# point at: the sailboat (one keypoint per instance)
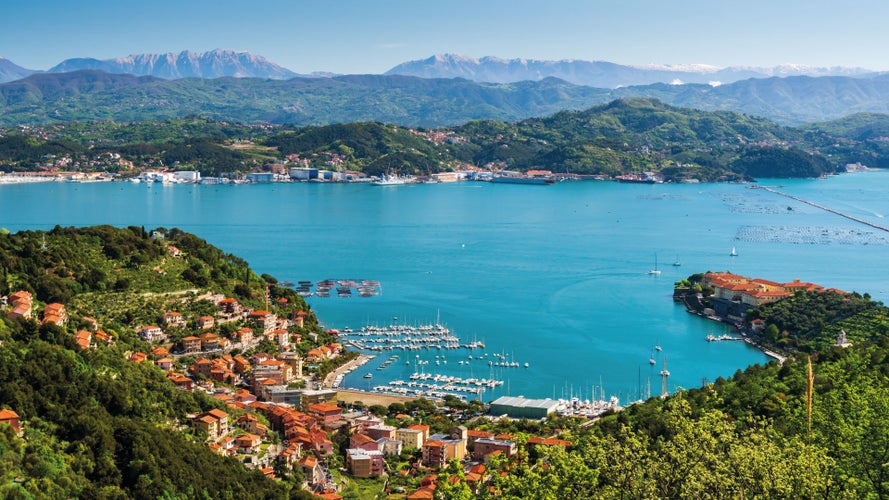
(651, 360)
(734, 252)
(655, 270)
(677, 263)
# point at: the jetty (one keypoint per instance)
(822, 207)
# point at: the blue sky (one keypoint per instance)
(354, 36)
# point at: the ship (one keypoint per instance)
(389, 179)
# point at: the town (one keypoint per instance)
(268, 371)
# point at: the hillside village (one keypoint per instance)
(273, 413)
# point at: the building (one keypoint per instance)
(191, 345)
(310, 397)
(261, 177)
(173, 319)
(187, 176)
(380, 431)
(326, 413)
(205, 322)
(389, 446)
(520, 407)
(440, 448)
(10, 418)
(484, 447)
(55, 313)
(209, 341)
(410, 438)
(364, 463)
(152, 333)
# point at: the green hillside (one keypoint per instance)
(96, 424)
(624, 136)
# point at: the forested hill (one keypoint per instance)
(96, 424)
(624, 136)
(88, 95)
(790, 430)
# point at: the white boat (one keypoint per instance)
(389, 179)
(677, 263)
(734, 252)
(655, 270)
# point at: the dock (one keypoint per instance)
(822, 207)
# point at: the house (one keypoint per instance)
(241, 364)
(364, 463)
(229, 307)
(137, 357)
(92, 324)
(165, 364)
(10, 418)
(214, 423)
(201, 366)
(315, 355)
(299, 319)
(205, 322)
(104, 337)
(264, 320)
(410, 438)
(174, 252)
(208, 425)
(363, 442)
(389, 446)
(191, 345)
(472, 435)
(151, 333)
(442, 447)
(365, 421)
(434, 453)
(314, 472)
(181, 381)
(326, 413)
(381, 431)
(250, 423)
(209, 341)
(484, 447)
(280, 337)
(423, 428)
(294, 360)
(160, 351)
(244, 336)
(173, 319)
(82, 338)
(20, 303)
(248, 443)
(55, 313)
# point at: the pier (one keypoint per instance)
(822, 207)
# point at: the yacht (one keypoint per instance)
(734, 252)
(655, 270)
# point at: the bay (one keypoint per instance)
(555, 276)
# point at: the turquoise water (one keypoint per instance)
(555, 276)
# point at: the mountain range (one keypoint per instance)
(598, 73)
(213, 64)
(221, 63)
(441, 90)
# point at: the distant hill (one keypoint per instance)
(9, 71)
(597, 73)
(95, 95)
(213, 64)
(410, 101)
